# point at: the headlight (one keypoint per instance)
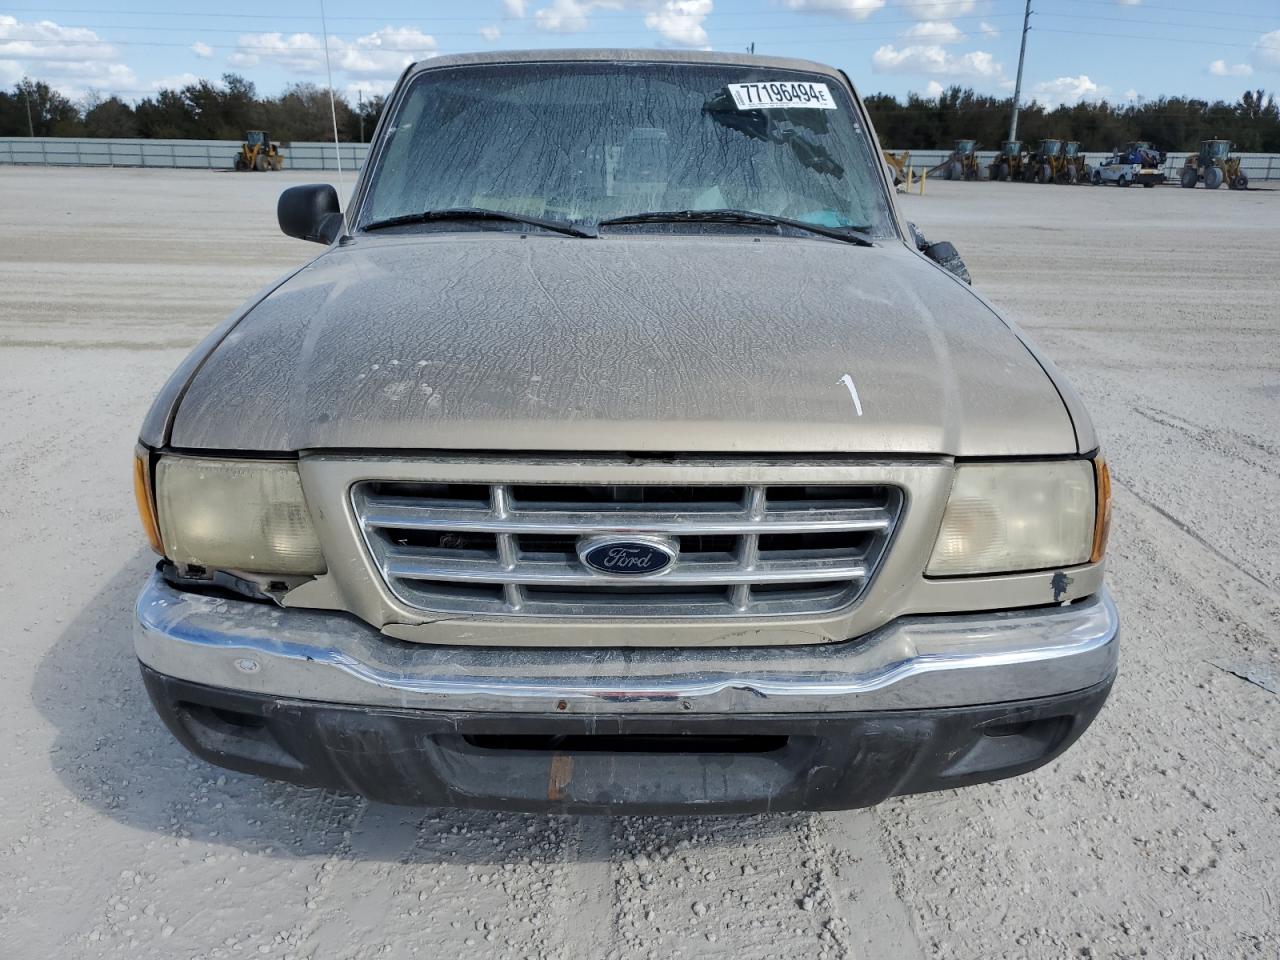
(1013, 517)
(240, 514)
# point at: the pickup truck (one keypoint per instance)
(624, 449)
(1122, 172)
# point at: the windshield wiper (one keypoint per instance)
(854, 235)
(479, 213)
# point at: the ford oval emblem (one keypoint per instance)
(627, 556)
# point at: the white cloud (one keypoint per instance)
(1067, 90)
(988, 29)
(1132, 94)
(299, 52)
(1266, 52)
(934, 60)
(935, 31)
(383, 53)
(369, 88)
(491, 33)
(570, 16)
(1220, 68)
(202, 50)
(174, 81)
(937, 9)
(680, 21)
(933, 89)
(852, 9)
(69, 59)
(387, 51)
(1128, 3)
(513, 9)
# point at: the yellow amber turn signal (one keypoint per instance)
(1102, 516)
(146, 503)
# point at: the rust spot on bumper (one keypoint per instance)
(560, 775)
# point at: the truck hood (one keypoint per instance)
(631, 343)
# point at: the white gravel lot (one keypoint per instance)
(1157, 835)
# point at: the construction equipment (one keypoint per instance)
(1009, 163)
(1214, 165)
(258, 152)
(1076, 167)
(1045, 164)
(1143, 153)
(898, 163)
(961, 164)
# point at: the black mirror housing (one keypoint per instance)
(310, 212)
(946, 256)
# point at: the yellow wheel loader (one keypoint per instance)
(1046, 164)
(962, 164)
(1215, 166)
(1076, 168)
(1009, 163)
(898, 163)
(258, 152)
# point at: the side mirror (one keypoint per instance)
(945, 255)
(310, 212)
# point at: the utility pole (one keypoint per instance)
(360, 102)
(1017, 87)
(26, 93)
(751, 48)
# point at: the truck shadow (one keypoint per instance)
(113, 754)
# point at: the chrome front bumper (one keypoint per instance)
(912, 663)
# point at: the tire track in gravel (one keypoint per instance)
(1224, 441)
(868, 918)
(592, 870)
(1191, 532)
(795, 885)
(409, 882)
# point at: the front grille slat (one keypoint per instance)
(383, 514)
(750, 550)
(411, 567)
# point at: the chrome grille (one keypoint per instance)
(511, 549)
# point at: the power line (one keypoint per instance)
(434, 33)
(817, 34)
(1158, 23)
(799, 27)
(769, 10)
(1138, 36)
(605, 15)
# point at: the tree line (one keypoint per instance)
(1169, 123)
(204, 110)
(207, 110)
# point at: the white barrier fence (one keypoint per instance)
(197, 154)
(1256, 166)
(220, 155)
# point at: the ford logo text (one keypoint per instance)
(628, 557)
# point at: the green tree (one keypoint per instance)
(35, 107)
(109, 117)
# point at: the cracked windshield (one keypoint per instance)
(578, 145)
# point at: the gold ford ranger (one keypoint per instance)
(623, 450)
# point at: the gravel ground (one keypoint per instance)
(1158, 835)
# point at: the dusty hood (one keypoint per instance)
(631, 343)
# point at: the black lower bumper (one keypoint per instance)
(620, 764)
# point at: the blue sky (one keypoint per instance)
(1077, 49)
